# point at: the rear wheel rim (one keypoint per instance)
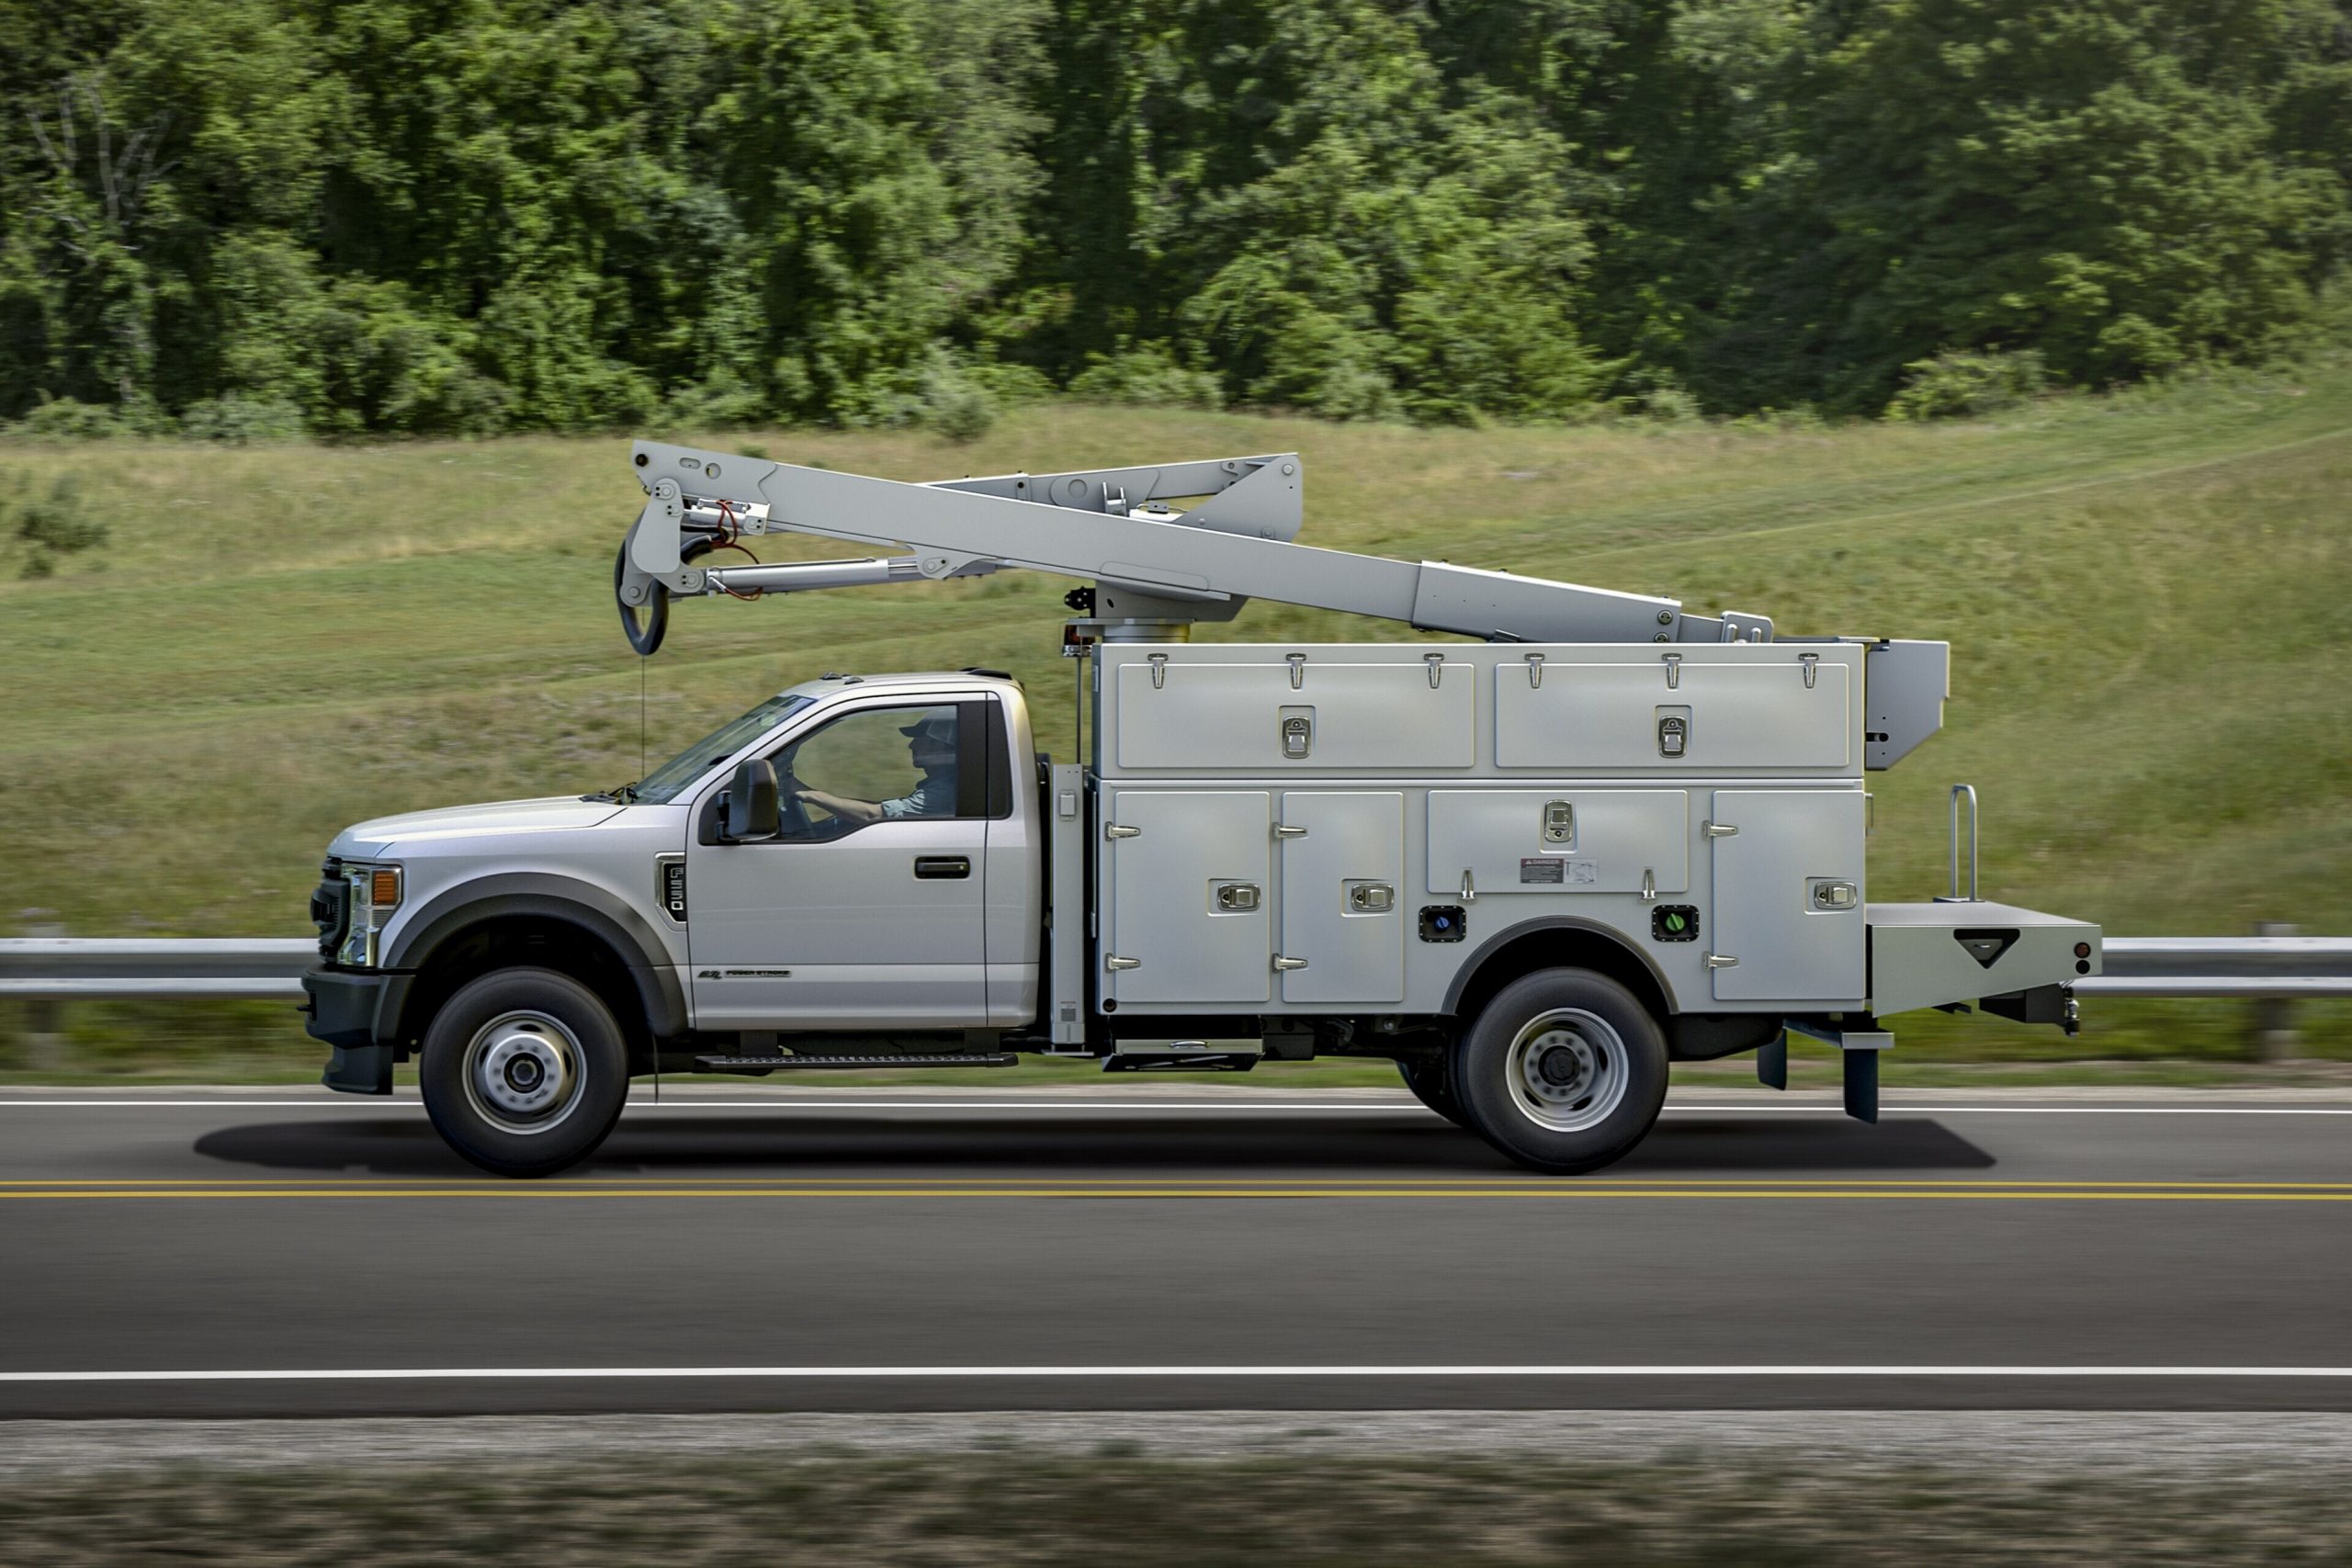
(525, 1072)
(1568, 1070)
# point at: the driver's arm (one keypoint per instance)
(860, 811)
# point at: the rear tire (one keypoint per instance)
(1429, 1079)
(524, 1072)
(1564, 1071)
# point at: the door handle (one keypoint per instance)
(942, 868)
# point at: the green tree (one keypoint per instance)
(2092, 180)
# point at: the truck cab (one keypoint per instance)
(889, 885)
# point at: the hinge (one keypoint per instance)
(1673, 671)
(1285, 830)
(1284, 966)
(1436, 661)
(1120, 830)
(1298, 669)
(1113, 962)
(1718, 830)
(1720, 961)
(1812, 663)
(1534, 672)
(1159, 672)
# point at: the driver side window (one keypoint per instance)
(876, 765)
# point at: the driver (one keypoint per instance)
(931, 742)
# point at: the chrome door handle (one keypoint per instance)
(942, 868)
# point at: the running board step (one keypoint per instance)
(944, 1059)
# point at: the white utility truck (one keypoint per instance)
(1532, 869)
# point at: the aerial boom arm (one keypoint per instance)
(1152, 564)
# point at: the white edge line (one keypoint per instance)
(1348, 1109)
(509, 1374)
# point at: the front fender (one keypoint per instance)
(597, 911)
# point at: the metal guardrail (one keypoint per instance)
(65, 969)
(92, 969)
(2287, 966)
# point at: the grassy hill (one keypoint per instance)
(2147, 598)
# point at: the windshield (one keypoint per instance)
(664, 781)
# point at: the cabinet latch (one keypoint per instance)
(1828, 893)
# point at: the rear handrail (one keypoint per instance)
(1959, 790)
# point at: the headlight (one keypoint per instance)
(374, 892)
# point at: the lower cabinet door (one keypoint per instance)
(1190, 896)
(1343, 922)
(1789, 903)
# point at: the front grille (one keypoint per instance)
(331, 910)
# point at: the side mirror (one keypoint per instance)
(753, 811)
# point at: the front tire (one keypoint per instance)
(524, 1072)
(1564, 1071)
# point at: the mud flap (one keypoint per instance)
(1773, 1062)
(1862, 1085)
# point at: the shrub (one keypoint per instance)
(63, 419)
(1955, 384)
(956, 405)
(1145, 375)
(1654, 393)
(57, 525)
(235, 421)
(1011, 385)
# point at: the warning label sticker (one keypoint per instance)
(1549, 868)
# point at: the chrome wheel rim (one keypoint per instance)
(525, 1072)
(1568, 1070)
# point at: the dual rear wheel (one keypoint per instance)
(1564, 1070)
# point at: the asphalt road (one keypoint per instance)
(786, 1247)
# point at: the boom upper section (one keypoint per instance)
(1155, 567)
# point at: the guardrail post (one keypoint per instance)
(44, 1020)
(2272, 1036)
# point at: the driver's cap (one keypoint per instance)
(939, 728)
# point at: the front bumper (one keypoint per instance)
(357, 1014)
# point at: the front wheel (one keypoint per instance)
(524, 1072)
(1564, 1071)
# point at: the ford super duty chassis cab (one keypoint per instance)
(1532, 869)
